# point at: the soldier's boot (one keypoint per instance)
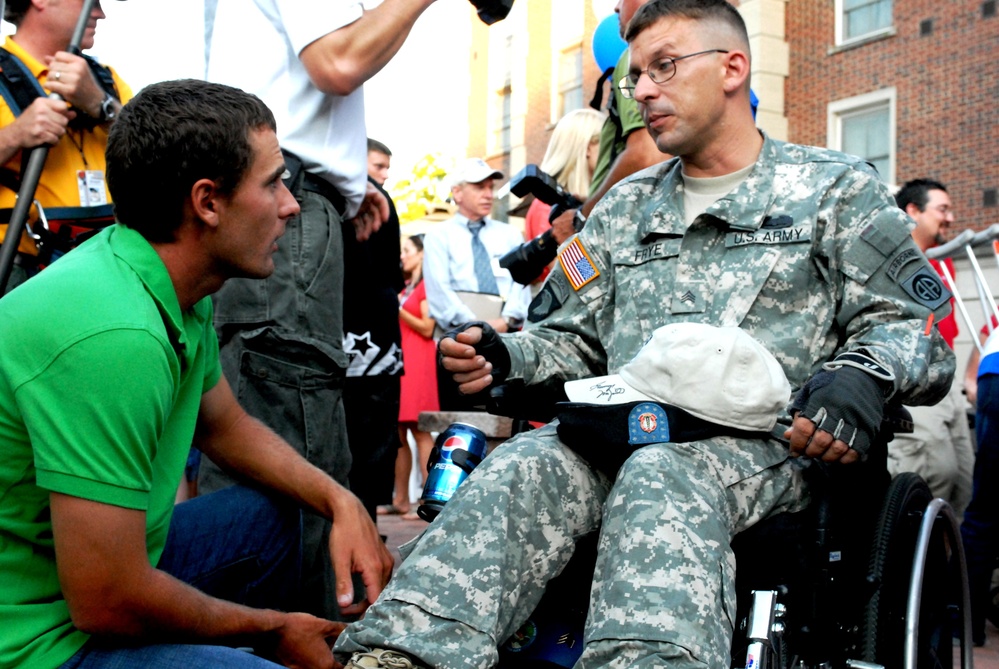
(380, 658)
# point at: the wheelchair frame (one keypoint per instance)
(878, 629)
(938, 535)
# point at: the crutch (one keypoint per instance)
(965, 243)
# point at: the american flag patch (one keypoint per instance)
(577, 265)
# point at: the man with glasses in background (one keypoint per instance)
(939, 448)
(797, 247)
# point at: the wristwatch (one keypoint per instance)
(108, 112)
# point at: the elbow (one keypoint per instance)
(103, 616)
(337, 80)
(96, 620)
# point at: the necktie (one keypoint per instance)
(483, 268)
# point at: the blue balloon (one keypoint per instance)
(607, 43)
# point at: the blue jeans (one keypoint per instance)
(980, 529)
(237, 544)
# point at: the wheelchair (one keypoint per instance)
(871, 575)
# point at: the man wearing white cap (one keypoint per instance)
(800, 249)
(462, 254)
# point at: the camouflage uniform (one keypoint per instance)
(812, 257)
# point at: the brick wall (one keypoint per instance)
(946, 86)
(536, 71)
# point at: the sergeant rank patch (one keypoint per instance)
(577, 264)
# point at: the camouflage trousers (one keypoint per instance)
(663, 592)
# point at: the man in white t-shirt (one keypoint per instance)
(282, 339)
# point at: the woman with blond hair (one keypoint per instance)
(570, 158)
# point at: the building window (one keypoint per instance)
(501, 112)
(862, 18)
(570, 81)
(504, 113)
(864, 126)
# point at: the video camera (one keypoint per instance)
(491, 11)
(527, 261)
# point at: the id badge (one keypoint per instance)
(91, 186)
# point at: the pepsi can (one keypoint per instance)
(456, 453)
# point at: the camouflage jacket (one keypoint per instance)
(809, 254)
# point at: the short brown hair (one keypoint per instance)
(695, 10)
(14, 10)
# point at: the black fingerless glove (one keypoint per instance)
(847, 399)
(490, 347)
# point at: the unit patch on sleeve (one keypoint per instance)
(579, 268)
(926, 288)
(901, 260)
(547, 300)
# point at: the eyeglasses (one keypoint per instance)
(660, 71)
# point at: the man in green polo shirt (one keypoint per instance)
(111, 371)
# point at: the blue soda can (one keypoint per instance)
(456, 453)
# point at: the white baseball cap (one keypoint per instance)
(473, 171)
(720, 374)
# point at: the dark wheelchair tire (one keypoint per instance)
(883, 629)
(992, 614)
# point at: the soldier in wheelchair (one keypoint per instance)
(800, 249)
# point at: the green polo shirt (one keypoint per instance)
(100, 382)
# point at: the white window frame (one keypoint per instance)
(566, 35)
(500, 114)
(561, 87)
(841, 109)
(841, 27)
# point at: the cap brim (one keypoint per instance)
(611, 389)
(475, 179)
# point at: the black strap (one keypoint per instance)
(316, 184)
(614, 114)
(601, 435)
(19, 87)
(99, 216)
(597, 101)
(299, 180)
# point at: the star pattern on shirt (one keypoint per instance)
(357, 344)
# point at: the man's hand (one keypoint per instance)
(564, 226)
(304, 641)
(43, 122)
(373, 212)
(356, 547)
(459, 355)
(70, 77)
(808, 440)
(838, 412)
(475, 356)
(471, 371)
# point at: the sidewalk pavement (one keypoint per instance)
(400, 531)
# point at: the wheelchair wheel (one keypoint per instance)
(992, 615)
(899, 547)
